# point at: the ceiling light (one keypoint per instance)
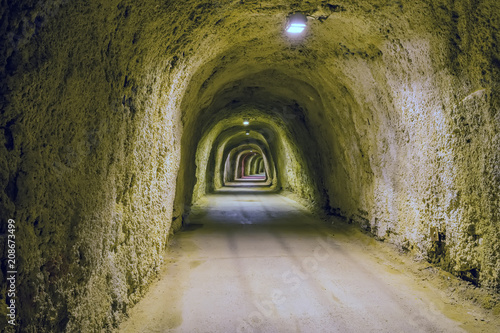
(296, 23)
(245, 122)
(247, 133)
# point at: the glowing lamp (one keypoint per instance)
(296, 23)
(245, 122)
(247, 133)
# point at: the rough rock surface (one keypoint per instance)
(390, 112)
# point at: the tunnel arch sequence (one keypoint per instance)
(230, 150)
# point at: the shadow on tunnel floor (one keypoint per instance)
(236, 190)
(223, 220)
(246, 183)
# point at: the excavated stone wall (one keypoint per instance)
(421, 155)
(390, 111)
(89, 158)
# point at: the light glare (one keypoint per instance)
(296, 28)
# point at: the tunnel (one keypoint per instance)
(133, 129)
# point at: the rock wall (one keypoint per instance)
(419, 143)
(89, 160)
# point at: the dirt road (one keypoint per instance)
(258, 262)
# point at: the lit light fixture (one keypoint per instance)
(245, 122)
(247, 133)
(296, 23)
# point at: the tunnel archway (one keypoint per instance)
(244, 163)
(234, 144)
(271, 130)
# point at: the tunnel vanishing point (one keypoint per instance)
(118, 115)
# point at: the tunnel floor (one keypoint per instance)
(255, 261)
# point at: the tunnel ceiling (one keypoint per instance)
(385, 114)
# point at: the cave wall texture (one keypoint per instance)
(386, 114)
